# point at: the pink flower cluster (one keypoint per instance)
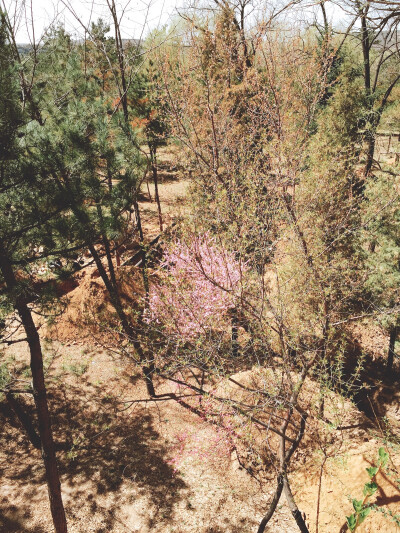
(199, 283)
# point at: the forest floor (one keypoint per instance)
(130, 465)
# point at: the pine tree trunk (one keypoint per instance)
(153, 155)
(40, 397)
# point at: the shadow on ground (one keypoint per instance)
(100, 449)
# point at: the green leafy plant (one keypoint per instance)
(362, 508)
(4, 377)
(73, 452)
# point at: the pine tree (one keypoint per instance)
(95, 166)
(24, 211)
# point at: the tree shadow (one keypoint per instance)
(9, 524)
(101, 452)
(114, 448)
(374, 390)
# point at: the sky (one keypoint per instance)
(140, 16)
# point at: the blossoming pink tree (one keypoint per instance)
(200, 285)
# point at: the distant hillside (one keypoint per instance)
(23, 48)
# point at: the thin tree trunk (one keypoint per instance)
(148, 190)
(321, 407)
(153, 155)
(300, 521)
(24, 419)
(365, 43)
(40, 397)
(370, 152)
(107, 248)
(285, 457)
(390, 358)
(143, 249)
(148, 368)
(272, 506)
(235, 332)
(366, 50)
(119, 48)
(293, 506)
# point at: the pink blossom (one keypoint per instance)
(199, 284)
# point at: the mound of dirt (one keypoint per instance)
(88, 313)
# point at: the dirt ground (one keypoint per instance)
(343, 479)
(125, 466)
(130, 465)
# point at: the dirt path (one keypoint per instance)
(173, 187)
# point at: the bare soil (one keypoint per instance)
(122, 465)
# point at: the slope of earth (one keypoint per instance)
(343, 478)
